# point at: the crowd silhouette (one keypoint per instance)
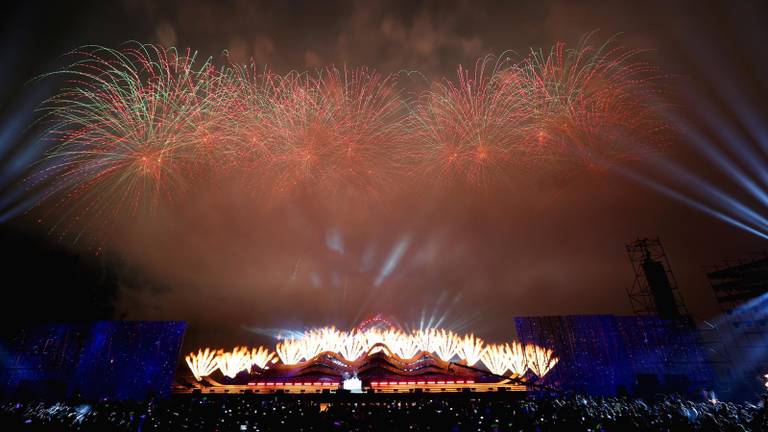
(476, 413)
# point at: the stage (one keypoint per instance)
(336, 387)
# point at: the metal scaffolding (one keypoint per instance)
(644, 254)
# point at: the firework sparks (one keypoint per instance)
(406, 345)
(290, 351)
(202, 364)
(231, 363)
(471, 349)
(495, 359)
(260, 357)
(352, 346)
(338, 131)
(445, 344)
(516, 358)
(540, 360)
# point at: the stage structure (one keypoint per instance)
(655, 294)
(655, 288)
(374, 359)
(738, 338)
(737, 282)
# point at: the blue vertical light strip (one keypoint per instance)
(89, 358)
(116, 360)
(592, 357)
(600, 353)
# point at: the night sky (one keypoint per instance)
(551, 245)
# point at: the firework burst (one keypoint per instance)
(336, 132)
(133, 127)
(591, 104)
(127, 126)
(233, 362)
(471, 130)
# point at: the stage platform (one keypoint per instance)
(318, 387)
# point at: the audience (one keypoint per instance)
(476, 413)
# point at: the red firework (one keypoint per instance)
(135, 125)
(593, 104)
(473, 130)
(337, 132)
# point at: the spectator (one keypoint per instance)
(236, 413)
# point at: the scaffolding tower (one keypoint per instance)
(654, 290)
